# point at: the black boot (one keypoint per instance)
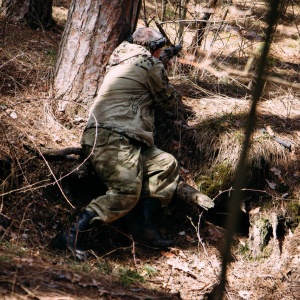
(68, 239)
(148, 226)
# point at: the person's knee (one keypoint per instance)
(171, 163)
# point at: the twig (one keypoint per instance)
(230, 71)
(55, 179)
(129, 236)
(6, 231)
(170, 276)
(24, 214)
(244, 189)
(197, 228)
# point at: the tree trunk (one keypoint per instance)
(15, 10)
(40, 14)
(182, 15)
(93, 30)
(36, 13)
(197, 39)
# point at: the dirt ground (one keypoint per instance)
(32, 209)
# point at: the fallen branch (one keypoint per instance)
(55, 154)
(190, 195)
(184, 192)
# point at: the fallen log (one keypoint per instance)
(190, 195)
(55, 154)
(184, 191)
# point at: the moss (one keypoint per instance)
(263, 225)
(219, 176)
(128, 277)
(79, 266)
(293, 213)
(51, 55)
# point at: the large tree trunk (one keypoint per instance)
(93, 30)
(36, 13)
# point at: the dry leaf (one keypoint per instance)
(174, 250)
(276, 171)
(272, 185)
(254, 211)
(189, 239)
(13, 115)
(179, 265)
(245, 294)
(167, 254)
(184, 170)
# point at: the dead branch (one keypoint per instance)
(55, 154)
(190, 195)
(226, 71)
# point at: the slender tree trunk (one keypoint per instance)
(36, 13)
(198, 38)
(182, 15)
(93, 30)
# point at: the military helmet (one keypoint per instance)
(149, 38)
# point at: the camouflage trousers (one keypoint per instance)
(128, 171)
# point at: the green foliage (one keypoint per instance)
(17, 249)
(149, 270)
(244, 250)
(51, 54)
(293, 213)
(78, 266)
(5, 259)
(128, 277)
(104, 267)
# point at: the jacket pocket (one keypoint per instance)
(93, 137)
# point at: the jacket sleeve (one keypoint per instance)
(162, 92)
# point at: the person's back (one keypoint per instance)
(128, 94)
(124, 102)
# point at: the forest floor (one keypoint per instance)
(32, 209)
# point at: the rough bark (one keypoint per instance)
(36, 13)
(93, 30)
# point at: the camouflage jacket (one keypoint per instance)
(135, 84)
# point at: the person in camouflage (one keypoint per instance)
(118, 141)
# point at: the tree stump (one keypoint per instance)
(263, 225)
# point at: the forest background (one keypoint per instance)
(216, 74)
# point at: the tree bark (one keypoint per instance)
(93, 30)
(36, 13)
(14, 10)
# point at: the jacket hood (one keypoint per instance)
(125, 51)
